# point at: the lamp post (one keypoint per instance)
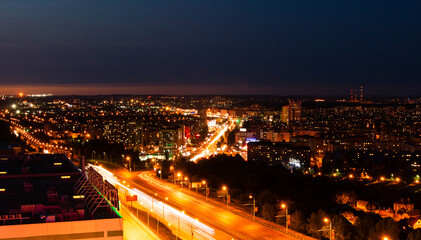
(225, 188)
(163, 210)
(192, 230)
(178, 175)
(156, 215)
(182, 183)
(160, 170)
(178, 228)
(157, 223)
(148, 216)
(128, 159)
(284, 206)
(254, 206)
(326, 220)
(206, 189)
(141, 207)
(173, 172)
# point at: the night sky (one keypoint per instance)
(210, 47)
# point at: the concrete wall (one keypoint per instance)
(111, 229)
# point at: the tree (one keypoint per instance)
(266, 196)
(298, 221)
(203, 131)
(363, 226)
(268, 212)
(5, 133)
(231, 137)
(385, 227)
(414, 235)
(343, 228)
(315, 224)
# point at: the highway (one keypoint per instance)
(133, 228)
(200, 219)
(226, 224)
(35, 143)
(174, 217)
(209, 146)
(187, 215)
(239, 226)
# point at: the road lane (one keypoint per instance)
(220, 218)
(133, 229)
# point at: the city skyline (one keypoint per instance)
(212, 167)
(210, 120)
(244, 90)
(247, 47)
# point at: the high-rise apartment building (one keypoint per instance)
(128, 133)
(170, 140)
(285, 114)
(294, 111)
(291, 112)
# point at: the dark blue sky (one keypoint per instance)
(168, 46)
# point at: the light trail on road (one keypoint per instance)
(19, 131)
(217, 215)
(183, 224)
(216, 137)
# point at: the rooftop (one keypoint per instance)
(41, 188)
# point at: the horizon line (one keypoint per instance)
(90, 89)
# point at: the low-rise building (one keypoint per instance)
(276, 153)
(40, 199)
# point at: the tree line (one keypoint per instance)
(309, 198)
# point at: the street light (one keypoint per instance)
(206, 188)
(192, 230)
(157, 223)
(386, 238)
(178, 228)
(182, 183)
(178, 175)
(326, 220)
(148, 216)
(226, 189)
(156, 215)
(163, 210)
(254, 206)
(141, 206)
(284, 206)
(128, 159)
